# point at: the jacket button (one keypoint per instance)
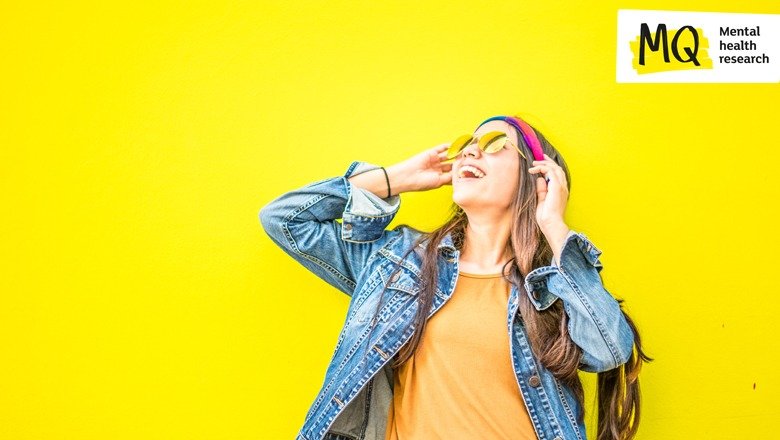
(348, 226)
(557, 438)
(534, 381)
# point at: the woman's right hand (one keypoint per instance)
(427, 170)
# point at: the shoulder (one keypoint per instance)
(404, 234)
(397, 242)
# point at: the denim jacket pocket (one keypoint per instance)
(401, 286)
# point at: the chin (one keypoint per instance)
(464, 199)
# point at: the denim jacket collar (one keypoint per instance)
(447, 243)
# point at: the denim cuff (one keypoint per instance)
(578, 251)
(366, 215)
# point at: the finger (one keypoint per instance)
(547, 171)
(443, 154)
(559, 173)
(554, 168)
(446, 178)
(543, 168)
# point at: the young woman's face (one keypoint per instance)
(499, 185)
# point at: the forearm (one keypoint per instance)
(375, 181)
(556, 236)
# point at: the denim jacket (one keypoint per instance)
(357, 256)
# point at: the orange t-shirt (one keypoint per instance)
(460, 384)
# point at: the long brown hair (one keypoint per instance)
(618, 389)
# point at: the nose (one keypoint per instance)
(471, 149)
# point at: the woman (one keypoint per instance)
(505, 333)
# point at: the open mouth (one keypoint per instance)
(467, 172)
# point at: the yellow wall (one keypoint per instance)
(140, 298)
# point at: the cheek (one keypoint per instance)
(509, 173)
(506, 183)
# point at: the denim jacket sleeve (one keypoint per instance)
(303, 223)
(596, 322)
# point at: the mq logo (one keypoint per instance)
(651, 50)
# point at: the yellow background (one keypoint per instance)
(140, 298)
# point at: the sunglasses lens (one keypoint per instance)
(459, 144)
(492, 142)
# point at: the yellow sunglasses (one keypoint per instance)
(490, 142)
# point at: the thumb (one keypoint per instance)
(541, 190)
(446, 178)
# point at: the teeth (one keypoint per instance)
(474, 170)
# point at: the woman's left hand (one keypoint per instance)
(552, 196)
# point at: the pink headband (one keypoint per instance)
(528, 133)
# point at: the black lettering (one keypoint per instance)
(746, 32)
(691, 53)
(741, 45)
(653, 43)
(732, 59)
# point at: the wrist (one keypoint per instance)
(555, 227)
(556, 233)
(399, 179)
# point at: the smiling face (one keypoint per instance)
(499, 185)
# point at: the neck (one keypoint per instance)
(485, 244)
